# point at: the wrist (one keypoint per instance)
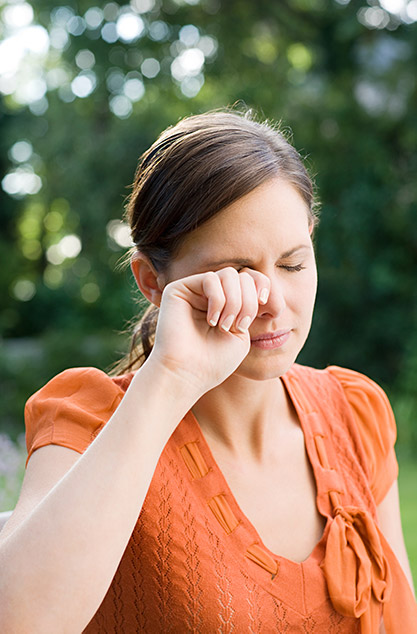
(176, 389)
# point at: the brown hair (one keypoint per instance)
(193, 171)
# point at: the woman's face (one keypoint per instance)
(268, 229)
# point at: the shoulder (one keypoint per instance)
(80, 387)
(72, 408)
(369, 412)
(363, 394)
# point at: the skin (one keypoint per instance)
(61, 547)
(260, 227)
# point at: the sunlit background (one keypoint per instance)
(85, 89)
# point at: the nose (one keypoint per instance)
(276, 303)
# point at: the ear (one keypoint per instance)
(147, 278)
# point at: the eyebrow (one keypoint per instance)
(246, 262)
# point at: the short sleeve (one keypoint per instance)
(71, 409)
(376, 425)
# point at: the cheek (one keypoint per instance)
(303, 294)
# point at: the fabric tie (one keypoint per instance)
(357, 573)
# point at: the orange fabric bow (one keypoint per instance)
(363, 575)
(357, 573)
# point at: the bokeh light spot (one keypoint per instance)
(84, 84)
(134, 89)
(93, 17)
(24, 290)
(187, 64)
(31, 249)
(111, 11)
(129, 27)
(56, 77)
(76, 25)
(68, 247)
(121, 106)
(85, 59)
(150, 67)
(30, 91)
(21, 181)
(119, 232)
(142, 6)
(90, 292)
(53, 277)
(191, 86)
(412, 10)
(53, 221)
(299, 56)
(393, 6)
(39, 107)
(21, 151)
(158, 31)
(115, 80)
(58, 37)
(17, 16)
(373, 17)
(109, 33)
(62, 15)
(189, 35)
(208, 45)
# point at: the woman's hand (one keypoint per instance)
(202, 331)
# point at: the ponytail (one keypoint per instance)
(141, 343)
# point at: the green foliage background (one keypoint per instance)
(340, 75)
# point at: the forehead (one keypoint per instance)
(273, 214)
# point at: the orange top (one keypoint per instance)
(195, 563)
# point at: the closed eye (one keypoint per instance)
(295, 267)
(287, 267)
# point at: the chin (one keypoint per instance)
(264, 370)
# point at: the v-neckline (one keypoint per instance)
(244, 522)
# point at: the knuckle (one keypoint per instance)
(247, 278)
(229, 270)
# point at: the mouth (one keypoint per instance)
(271, 335)
(271, 340)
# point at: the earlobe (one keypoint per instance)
(146, 277)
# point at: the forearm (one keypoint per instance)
(57, 565)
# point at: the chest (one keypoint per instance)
(280, 500)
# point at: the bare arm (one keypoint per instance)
(389, 517)
(390, 523)
(62, 545)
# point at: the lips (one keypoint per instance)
(271, 335)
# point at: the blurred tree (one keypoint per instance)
(86, 88)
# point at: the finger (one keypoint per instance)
(202, 291)
(262, 284)
(250, 303)
(229, 278)
(213, 290)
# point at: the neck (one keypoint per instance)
(243, 418)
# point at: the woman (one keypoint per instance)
(221, 486)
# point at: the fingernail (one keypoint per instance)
(244, 324)
(226, 325)
(214, 319)
(263, 297)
